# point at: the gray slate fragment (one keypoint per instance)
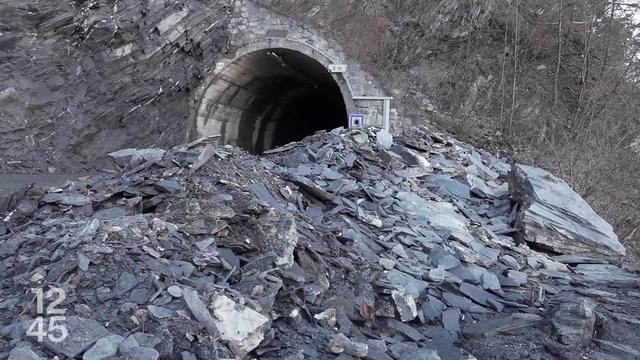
(203, 244)
(145, 353)
(488, 256)
(146, 339)
(265, 195)
(432, 309)
(408, 283)
(160, 312)
(199, 310)
(83, 262)
(384, 139)
(412, 351)
(451, 320)
(110, 213)
(170, 186)
(481, 296)
(310, 187)
(518, 277)
(405, 304)
(490, 281)
(407, 330)
(72, 199)
(175, 291)
(553, 215)
(377, 350)
(501, 325)
(130, 344)
(82, 334)
(624, 351)
(24, 353)
(607, 274)
(105, 348)
(441, 215)
(188, 356)
(463, 303)
(340, 343)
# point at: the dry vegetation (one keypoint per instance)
(549, 82)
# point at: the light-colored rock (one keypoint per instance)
(287, 242)
(388, 264)
(607, 274)
(242, 327)
(327, 318)
(405, 304)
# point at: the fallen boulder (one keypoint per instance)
(554, 216)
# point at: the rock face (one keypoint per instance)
(103, 75)
(554, 216)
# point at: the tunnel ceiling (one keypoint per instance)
(271, 97)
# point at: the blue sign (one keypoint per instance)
(357, 120)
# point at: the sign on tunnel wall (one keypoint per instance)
(357, 120)
(337, 68)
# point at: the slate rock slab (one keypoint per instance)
(72, 199)
(607, 274)
(82, 334)
(554, 216)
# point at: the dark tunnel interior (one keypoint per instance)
(269, 98)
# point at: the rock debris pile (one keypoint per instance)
(348, 244)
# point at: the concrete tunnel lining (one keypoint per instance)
(269, 97)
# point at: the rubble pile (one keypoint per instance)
(348, 244)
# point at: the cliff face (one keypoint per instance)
(79, 79)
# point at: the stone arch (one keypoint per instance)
(255, 100)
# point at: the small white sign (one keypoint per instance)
(357, 120)
(337, 68)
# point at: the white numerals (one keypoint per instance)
(54, 328)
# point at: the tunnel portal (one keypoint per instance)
(270, 97)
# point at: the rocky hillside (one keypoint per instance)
(70, 92)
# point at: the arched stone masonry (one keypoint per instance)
(226, 96)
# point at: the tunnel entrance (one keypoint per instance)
(270, 97)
